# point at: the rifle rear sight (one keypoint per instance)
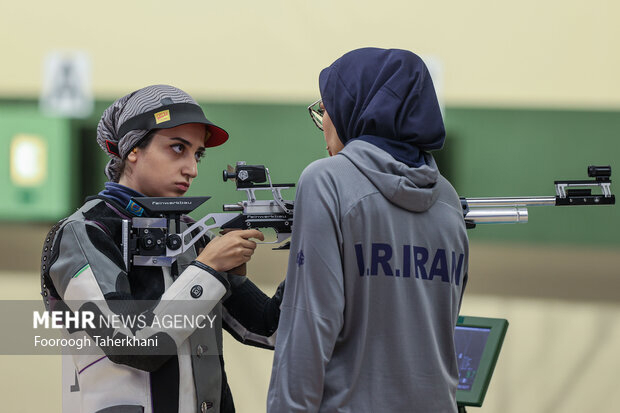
(246, 176)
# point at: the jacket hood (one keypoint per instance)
(385, 97)
(410, 188)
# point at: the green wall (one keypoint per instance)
(488, 152)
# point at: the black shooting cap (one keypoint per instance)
(171, 115)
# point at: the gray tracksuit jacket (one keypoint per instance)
(378, 265)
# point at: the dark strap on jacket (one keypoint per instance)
(48, 291)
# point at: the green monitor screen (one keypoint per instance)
(478, 341)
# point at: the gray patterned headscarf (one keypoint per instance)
(136, 103)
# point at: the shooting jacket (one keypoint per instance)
(83, 269)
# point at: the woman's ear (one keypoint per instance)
(133, 155)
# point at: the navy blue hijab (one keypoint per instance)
(385, 97)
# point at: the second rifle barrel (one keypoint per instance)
(497, 215)
(511, 201)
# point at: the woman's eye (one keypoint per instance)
(177, 147)
(199, 156)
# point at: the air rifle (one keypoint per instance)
(158, 239)
(514, 209)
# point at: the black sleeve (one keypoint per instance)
(250, 315)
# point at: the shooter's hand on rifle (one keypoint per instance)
(230, 250)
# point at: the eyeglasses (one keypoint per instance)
(316, 113)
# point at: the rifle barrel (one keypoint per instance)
(511, 201)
